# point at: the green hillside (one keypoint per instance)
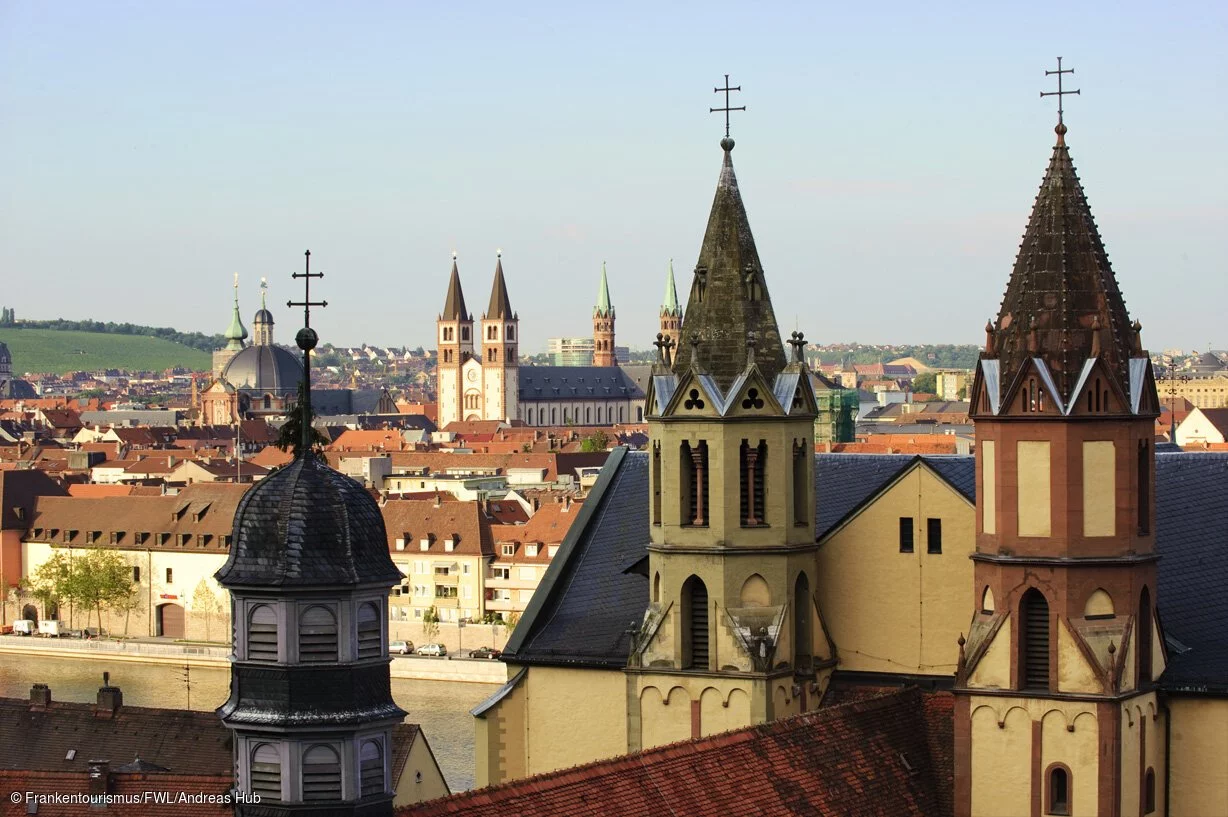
(55, 351)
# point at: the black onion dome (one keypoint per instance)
(263, 316)
(308, 525)
(264, 368)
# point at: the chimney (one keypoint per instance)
(110, 698)
(99, 776)
(40, 697)
(566, 503)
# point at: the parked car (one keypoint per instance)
(401, 647)
(432, 649)
(485, 652)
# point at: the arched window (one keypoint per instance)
(755, 592)
(317, 635)
(656, 588)
(262, 634)
(656, 482)
(370, 640)
(321, 774)
(1058, 790)
(802, 500)
(1099, 605)
(1034, 641)
(268, 401)
(1144, 638)
(371, 769)
(801, 621)
(753, 462)
(694, 624)
(266, 772)
(694, 470)
(1149, 791)
(987, 600)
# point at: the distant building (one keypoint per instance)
(570, 351)
(10, 387)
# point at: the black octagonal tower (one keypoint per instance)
(310, 701)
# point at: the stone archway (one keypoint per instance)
(29, 612)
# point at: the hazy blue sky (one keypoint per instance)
(888, 161)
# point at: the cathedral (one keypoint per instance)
(753, 593)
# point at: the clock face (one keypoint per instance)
(473, 375)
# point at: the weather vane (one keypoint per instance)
(1059, 93)
(306, 340)
(726, 110)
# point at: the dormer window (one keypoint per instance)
(530, 550)
(509, 549)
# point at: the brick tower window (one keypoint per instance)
(694, 469)
(1058, 786)
(1034, 641)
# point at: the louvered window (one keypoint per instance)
(266, 772)
(694, 467)
(371, 769)
(321, 774)
(695, 608)
(1034, 640)
(262, 634)
(801, 501)
(753, 463)
(369, 633)
(317, 636)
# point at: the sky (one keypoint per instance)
(888, 159)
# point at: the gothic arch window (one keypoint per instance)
(752, 464)
(371, 769)
(370, 635)
(656, 483)
(511, 332)
(1149, 791)
(262, 634)
(694, 471)
(317, 635)
(1099, 605)
(1097, 394)
(266, 771)
(987, 602)
(694, 624)
(801, 499)
(1034, 641)
(1057, 789)
(1144, 638)
(656, 588)
(464, 333)
(321, 774)
(801, 621)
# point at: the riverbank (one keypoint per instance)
(150, 651)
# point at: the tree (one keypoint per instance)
(513, 618)
(206, 604)
(51, 583)
(597, 441)
(430, 623)
(290, 435)
(100, 578)
(925, 383)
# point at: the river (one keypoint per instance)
(441, 708)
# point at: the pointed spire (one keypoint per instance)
(603, 308)
(500, 305)
(1062, 292)
(669, 306)
(236, 333)
(729, 297)
(454, 304)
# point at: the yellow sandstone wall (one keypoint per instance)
(1034, 484)
(1099, 488)
(574, 716)
(1199, 756)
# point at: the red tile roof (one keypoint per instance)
(868, 757)
(124, 787)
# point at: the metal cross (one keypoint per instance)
(726, 109)
(1059, 93)
(306, 303)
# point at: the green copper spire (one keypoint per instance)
(670, 305)
(603, 308)
(237, 332)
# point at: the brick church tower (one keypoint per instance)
(671, 312)
(500, 360)
(1056, 709)
(603, 325)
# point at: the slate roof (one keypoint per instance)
(577, 383)
(264, 368)
(845, 481)
(454, 305)
(1192, 540)
(500, 307)
(868, 757)
(1062, 283)
(718, 310)
(589, 598)
(308, 525)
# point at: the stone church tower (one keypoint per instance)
(732, 625)
(454, 334)
(671, 312)
(603, 325)
(500, 362)
(1056, 709)
(236, 333)
(310, 704)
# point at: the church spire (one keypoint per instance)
(729, 298)
(603, 308)
(669, 306)
(237, 332)
(1062, 303)
(500, 305)
(454, 304)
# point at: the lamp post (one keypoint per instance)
(1173, 391)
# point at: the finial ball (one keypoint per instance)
(306, 339)
(726, 144)
(1060, 130)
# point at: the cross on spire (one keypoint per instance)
(1059, 93)
(306, 340)
(726, 110)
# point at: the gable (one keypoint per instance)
(693, 397)
(752, 397)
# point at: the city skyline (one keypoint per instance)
(158, 151)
